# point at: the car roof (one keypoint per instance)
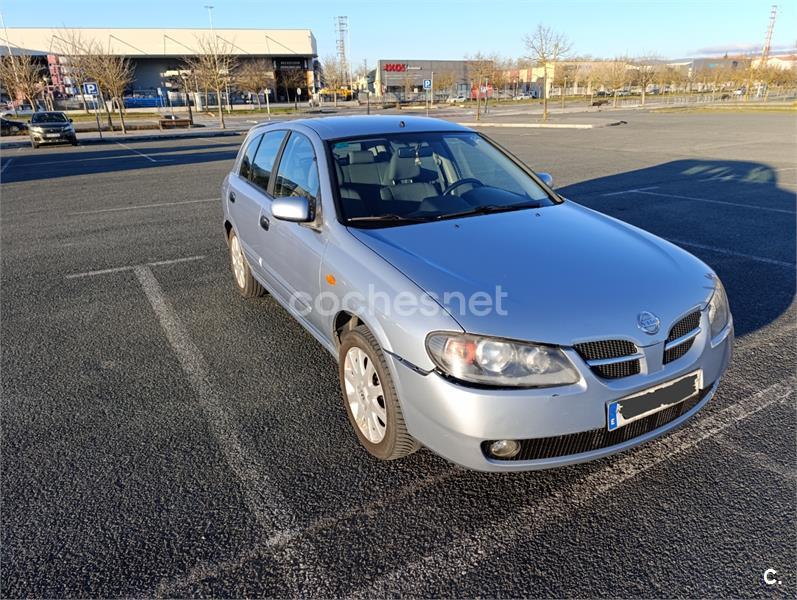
(330, 128)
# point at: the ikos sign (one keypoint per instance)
(399, 68)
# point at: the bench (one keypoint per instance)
(173, 123)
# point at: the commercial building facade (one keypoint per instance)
(155, 51)
(404, 78)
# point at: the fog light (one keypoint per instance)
(504, 448)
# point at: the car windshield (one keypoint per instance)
(405, 178)
(46, 117)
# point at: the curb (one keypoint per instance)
(135, 138)
(544, 125)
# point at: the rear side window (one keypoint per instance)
(249, 156)
(266, 154)
(298, 172)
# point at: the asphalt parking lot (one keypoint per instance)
(163, 436)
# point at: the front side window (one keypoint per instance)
(266, 154)
(298, 172)
(413, 177)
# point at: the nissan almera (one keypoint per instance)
(471, 309)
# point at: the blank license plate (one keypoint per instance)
(53, 135)
(638, 406)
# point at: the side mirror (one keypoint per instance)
(546, 179)
(296, 209)
(70, 120)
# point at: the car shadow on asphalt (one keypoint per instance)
(68, 162)
(733, 215)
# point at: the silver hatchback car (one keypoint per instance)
(471, 309)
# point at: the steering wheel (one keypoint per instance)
(460, 182)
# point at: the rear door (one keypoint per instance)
(249, 193)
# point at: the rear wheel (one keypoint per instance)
(247, 285)
(370, 397)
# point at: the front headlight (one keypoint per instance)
(498, 362)
(37, 129)
(718, 311)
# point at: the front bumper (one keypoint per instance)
(60, 137)
(453, 420)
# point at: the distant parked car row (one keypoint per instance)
(44, 127)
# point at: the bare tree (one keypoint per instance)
(113, 73)
(645, 67)
(213, 66)
(333, 75)
(291, 80)
(22, 77)
(546, 46)
(615, 76)
(254, 76)
(72, 51)
(444, 81)
(480, 68)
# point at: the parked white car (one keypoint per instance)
(457, 99)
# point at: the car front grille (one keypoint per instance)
(605, 349)
(689, 324)
(610, 350)
(596, 439)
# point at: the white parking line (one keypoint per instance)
(480, 544)
(708, 201)
(149, 158)
(652, 187)
(763, 259)
(133, 267)
(226, 143)
(5, 166)
(262, 498)
(141, 206)
(647, 192)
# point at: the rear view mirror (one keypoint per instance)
(546, 179)
(296, 209)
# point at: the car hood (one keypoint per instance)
(568, 273)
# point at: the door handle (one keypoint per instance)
(264, 222)
(232, 196)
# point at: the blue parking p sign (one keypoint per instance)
(427, 84)
(90, 89)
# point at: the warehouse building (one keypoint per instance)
(402, 78)
(155, 51)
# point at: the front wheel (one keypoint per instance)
(247, 285)
(370, 397)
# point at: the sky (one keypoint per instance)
(450, 29)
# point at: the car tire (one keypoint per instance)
(362, 367)
(247, 285)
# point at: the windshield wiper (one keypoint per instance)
(390, 217)
(488, 209)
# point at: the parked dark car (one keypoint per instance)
(51, 128)
(8, 127)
